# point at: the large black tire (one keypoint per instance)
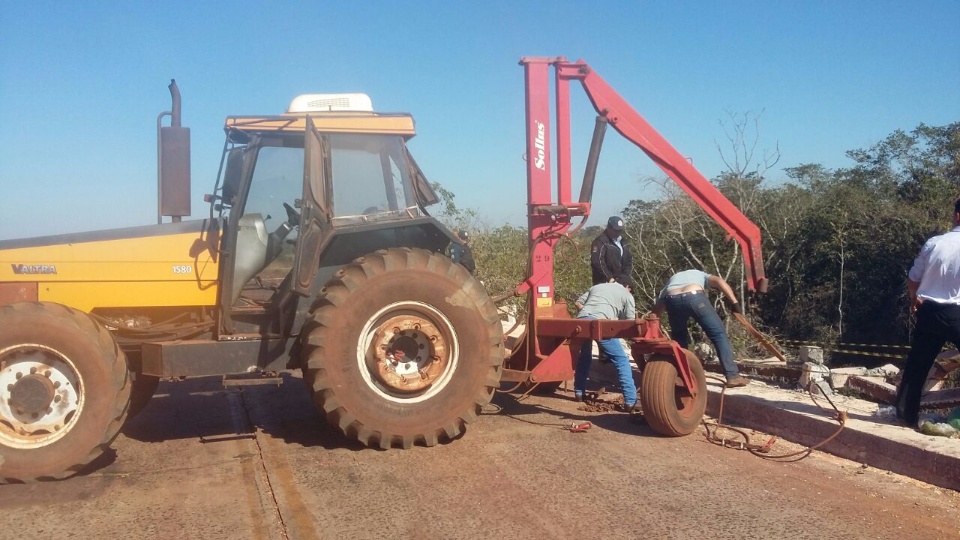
(419, 302)
(64, 391)
(668, 406)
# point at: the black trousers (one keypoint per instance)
(936, 325)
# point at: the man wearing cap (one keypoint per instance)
(461, 252)
(685, 296)
(610, 257)
(607, 301)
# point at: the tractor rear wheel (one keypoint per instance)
(403, 347)
(667, 404)
(64, 391)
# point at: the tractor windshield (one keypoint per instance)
(371, 176)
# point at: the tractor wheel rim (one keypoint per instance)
(407, 352)
(41, 396)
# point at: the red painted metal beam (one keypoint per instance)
(637, 130)
(553, 339)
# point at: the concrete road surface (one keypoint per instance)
(201, 462)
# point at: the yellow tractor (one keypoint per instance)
(318, 254)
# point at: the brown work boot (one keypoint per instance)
(632, 409)
(737, 382)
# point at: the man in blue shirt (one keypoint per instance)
(607, 301)
(684, 296)
(933, 285)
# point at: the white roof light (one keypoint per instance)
(314, 103)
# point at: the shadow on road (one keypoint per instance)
(202, 408)
(524, 408)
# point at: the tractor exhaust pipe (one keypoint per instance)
(175, 109)
(173, 163)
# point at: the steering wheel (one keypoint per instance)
(293, 217)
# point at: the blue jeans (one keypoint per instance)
(696, 304)
(614, 350)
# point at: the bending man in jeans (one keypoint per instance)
(607, 301)
(684, 296)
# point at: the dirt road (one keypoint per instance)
(189, 467)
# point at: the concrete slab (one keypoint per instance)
(792, 415)
(866, 437)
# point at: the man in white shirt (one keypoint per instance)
(934, 288)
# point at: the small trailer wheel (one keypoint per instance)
(667, 404)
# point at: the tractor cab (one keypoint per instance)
(305, 192)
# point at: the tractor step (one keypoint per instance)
(252, 379)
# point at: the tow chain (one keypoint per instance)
(763, 450)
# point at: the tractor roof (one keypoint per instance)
(338, 122)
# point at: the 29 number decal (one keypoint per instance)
(182, 269)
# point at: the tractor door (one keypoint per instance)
(314, 212)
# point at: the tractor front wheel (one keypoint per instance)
(64, 391)
(403, 347)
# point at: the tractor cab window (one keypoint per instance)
(277, 179)
(265, 234)
(371, 178)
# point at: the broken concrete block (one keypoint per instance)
(839, 376)
(809, 353)
(951, 356)
(821, 387)
(941, 399)
(933, 383)
(875, 387)
(812, 373)
(886, 370)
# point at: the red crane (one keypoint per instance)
(673, 389)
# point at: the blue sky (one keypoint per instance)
(82, 85)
